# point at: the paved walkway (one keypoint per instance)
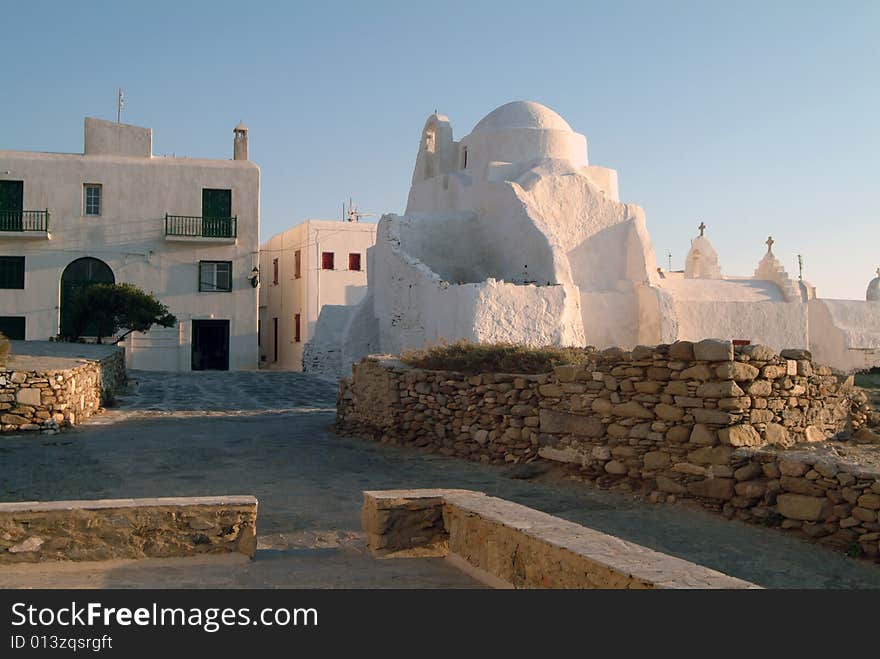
(309, 484)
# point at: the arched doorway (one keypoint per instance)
(78, 275)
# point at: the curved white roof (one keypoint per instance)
(873, 292)
(522, 114)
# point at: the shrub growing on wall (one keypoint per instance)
(467, 357)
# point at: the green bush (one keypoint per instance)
(109, 308)
(467, 357)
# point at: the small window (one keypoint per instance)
(92, 199)
(11, 272)
(296, 334)
(12, 327)
(297, 264)
(327, 261)
(275, 271)
(215, 276)
(464, 158)
(354, 261)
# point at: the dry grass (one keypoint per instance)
(466, 357)
(5, 349)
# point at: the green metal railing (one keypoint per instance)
(201, 227)
(24, 221)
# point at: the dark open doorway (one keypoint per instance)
(76, 278)
(210, 345)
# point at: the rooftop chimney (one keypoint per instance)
(240, 142)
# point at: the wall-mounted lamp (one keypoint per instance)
(255, 277)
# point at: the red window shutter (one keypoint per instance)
(296, 335)
(327, 261)
(354, 261)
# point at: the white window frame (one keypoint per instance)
(209, 276)
(100, 189)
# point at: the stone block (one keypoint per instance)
(738, 371)
(666, 484)
(703, 435)
(28, 396)
(716, 417)
(678, 434)
(632, 409)
(740, 435)
(713, 350)
(668, 412)
(564, 423)
(759, 353)
(718, 455)
(776, 434)
(804, 508)
(654, 460)
(712, 488)
(682, 351)
(698, 372)
(724, 389)
(569, 372)
(550, 390)
(751, 489)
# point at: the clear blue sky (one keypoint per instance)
(756, 117)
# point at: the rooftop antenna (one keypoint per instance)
(120, 103)
(354, 214)
(800, 267)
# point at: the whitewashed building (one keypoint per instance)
(184, 229)
(311, 275)
(511, 234)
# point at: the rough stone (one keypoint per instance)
(740, 435)
(712, 488)
(738, 371)
(712, 350)
(804, 508)
(776, 434)
(703, 435)
(553, 421)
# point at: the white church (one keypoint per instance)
(511, 235)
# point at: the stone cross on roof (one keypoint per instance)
(702, 228)
(770, 242)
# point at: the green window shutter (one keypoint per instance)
(11, 272)
(12, 327)
(11, 205)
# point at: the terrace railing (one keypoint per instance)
(37, 221)
(191, 226)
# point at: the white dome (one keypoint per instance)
(873, 292)
(522, 114)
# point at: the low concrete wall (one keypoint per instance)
(46, 392)
(31, 532)
(522, 547)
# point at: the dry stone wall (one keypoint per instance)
(34, 398)
(746, 432)
(33, 532)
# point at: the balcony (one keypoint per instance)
(190, 228)
(25, 224)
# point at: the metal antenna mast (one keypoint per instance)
(120, 103)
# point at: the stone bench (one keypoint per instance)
(32, 532)
(507, 544)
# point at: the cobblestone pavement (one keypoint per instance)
(309, 483)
